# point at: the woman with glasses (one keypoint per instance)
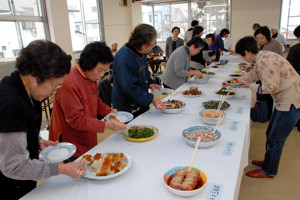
(77, 103)
(41, 68)
(131, 75)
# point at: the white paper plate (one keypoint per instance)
(58, 153)
(162, 90)
(92, 175)
(122, 116)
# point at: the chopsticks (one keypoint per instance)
(223, 98)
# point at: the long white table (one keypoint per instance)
(222, 163)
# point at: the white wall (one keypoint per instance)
(245, 13)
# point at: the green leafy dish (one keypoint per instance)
(213, 104)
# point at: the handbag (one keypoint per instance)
(259, 113)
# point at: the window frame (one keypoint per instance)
(288, 20)
(169, 3)
(83, 23)
(19, 20)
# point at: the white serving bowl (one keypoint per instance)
(174, 110)
(193, 142)
(210, 121)
(202, 80)
(182, 193)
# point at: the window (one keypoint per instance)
(290, 17)
(212, 15)
(21, 21)
(85, 23)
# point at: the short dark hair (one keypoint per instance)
(247, 43)
(264, 30)
(44, 60)
(297, 31)
(197, 41)
(142, 34)
(224, 31)
(255, 25)
(212, 36)
(174, 28)
(94, 53)
(194, 23)
(197, 30)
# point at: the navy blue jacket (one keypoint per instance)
(131, 81)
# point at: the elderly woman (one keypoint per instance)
(77, 103)
(41, 69)
(173, 42)
(131, 76)
(218, 46)
(177, 70)
(279, 79)
(266, 42)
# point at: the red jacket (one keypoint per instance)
(74, 115)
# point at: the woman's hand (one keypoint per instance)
(158, 104)
(46, 143)
(115, 125)
(73, 169)
(114, 110)
(153, 86)
(244, 84)
(195, 73)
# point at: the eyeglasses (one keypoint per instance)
(54, 87)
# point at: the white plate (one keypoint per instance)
(92, 175)
(168, 90)
(122, 116)
(191, 96)
(58, 153)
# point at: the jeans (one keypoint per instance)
(279, 128)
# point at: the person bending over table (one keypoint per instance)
(77, 103)
(41, 68)
(177, 70)
(131, 75)
(278, 78)
(218, 46)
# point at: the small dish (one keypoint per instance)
(58, 153)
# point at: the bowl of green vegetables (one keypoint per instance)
(140, 133)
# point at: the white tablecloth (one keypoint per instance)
(222, 163)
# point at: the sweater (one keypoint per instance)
(178, 64)
(273, 46)
(169, 44)
(278, 78)
(75, 108)
(19, 113)
(131, 81)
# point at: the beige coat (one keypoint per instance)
(278, 78)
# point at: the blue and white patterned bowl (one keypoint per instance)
(224, 62)
(193, 142)
(210, 121)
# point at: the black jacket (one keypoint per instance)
(19, 113)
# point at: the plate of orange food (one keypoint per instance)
(103, 166)
(120, 116)
(192, 92)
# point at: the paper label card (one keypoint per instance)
(229, 148)
(215, 191)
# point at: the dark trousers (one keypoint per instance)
(279, 128)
